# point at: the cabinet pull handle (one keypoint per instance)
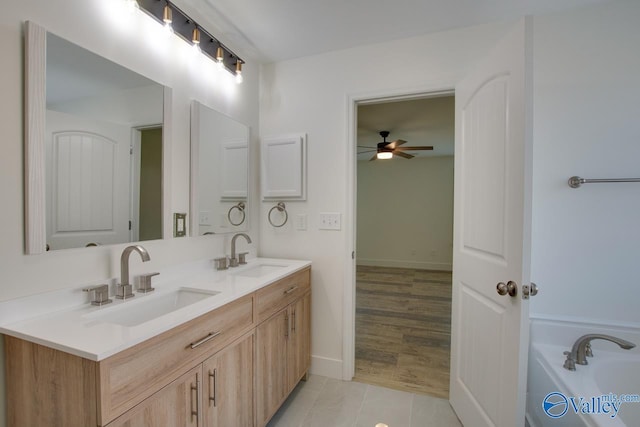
(213, 386)
(201, 341)
(293, 321)
(286, 325)
(291, 289)
(197, 390)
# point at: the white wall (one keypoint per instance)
(586, 256)
(311, 95)
(99, 26)
(405, 213)
(586, 122)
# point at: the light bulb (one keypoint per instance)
(384, 155)
(238, 72)
(131, 5)
(220, 58)
(167, 18)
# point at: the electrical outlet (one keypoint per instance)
(205, 218)
(330, 221)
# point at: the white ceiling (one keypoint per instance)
(427, 121)
(275, 30)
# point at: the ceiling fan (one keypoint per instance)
(386, 150)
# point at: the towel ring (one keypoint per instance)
(281, 208)
(240, 206)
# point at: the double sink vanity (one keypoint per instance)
(205, 348)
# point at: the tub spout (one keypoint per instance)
(582, 348)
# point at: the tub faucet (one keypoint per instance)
(123, 290)
(582, 348)
(233, 261)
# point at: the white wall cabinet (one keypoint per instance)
(283, 167)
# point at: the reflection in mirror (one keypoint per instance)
(219, 172)
(103, 150)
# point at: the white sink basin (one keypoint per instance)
(259, 270)
(136, 311)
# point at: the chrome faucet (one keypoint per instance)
(582, 349)
(233, 261)
(123, 290)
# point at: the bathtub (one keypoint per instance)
(611, 370)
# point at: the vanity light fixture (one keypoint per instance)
(195, 36)
(384, 155)
(179, 23)
(238, 71)
(167, 17)
(220, 57)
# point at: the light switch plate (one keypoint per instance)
(330, 221)
(179, 224)
(301, 222)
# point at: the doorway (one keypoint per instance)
(404, 238)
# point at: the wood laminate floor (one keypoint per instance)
(403, 329)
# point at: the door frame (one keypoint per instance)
(349, 296)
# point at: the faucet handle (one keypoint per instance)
(242, 257)
(587, 350)
(144, 282)
(99, 294)
(221, 263)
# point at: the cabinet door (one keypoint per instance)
(271, 366)
(178, 404)
(299, 340)
(228, 388)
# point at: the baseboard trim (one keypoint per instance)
(326, 367)
(421, 265)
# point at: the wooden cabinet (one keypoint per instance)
(271, 367)
(129, 377)
(283, 342)
(231, 367)
(299, 345)
(228, 386)
(175, 405)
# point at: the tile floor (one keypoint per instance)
(325, 402)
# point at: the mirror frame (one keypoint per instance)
(35, 62)
(194, 202)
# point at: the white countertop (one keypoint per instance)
(65, 320)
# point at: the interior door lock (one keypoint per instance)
(529, 290)
(510, 288)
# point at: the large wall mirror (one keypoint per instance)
(219, 172)
(94, 148)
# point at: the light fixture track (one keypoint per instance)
(186, 28)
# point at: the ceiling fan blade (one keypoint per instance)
(375, 156)
(366, 146)
(394, 144)
(367, 151)
(415, 148)
(401, 154)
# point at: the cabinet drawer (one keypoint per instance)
(272, 298)
(129, 377)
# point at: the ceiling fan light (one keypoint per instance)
(384, 155)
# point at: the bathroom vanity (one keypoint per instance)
(228, 355)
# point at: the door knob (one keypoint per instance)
(529, 290)
(510, 288)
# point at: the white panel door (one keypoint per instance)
(489, 337)
(88, 188)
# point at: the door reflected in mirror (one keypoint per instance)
(103, 146)
(219, 172)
